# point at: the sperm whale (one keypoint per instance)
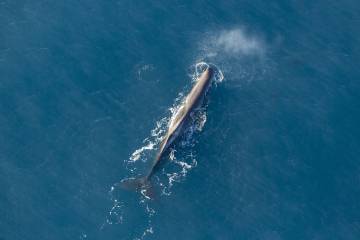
(176, 127)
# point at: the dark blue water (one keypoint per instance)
(85, 93)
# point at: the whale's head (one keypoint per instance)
(208, 73)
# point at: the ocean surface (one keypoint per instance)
(88, 87)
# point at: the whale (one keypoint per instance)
(175, 129)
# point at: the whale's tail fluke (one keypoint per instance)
(141, 184)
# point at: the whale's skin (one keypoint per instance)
(192, 101)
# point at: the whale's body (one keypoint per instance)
(192, 101)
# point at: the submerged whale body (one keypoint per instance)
(176, 127)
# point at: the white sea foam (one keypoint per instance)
(137, 153)
(151, 142)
